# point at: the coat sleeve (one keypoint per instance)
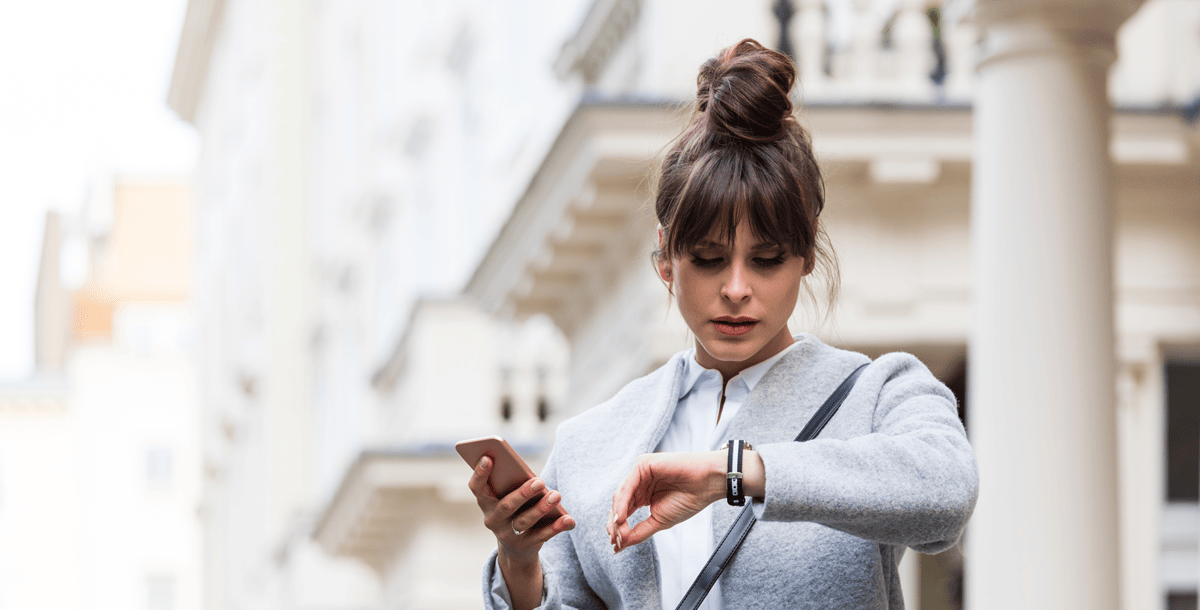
(563, 583)
(912, 481)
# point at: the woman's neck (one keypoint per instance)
(730, 368)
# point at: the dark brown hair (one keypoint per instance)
(744, 155)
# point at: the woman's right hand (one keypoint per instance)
(501, 516)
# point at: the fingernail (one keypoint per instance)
(569, 522)
(553, 498)
(538, 485)
(619, 543)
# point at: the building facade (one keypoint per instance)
(390, 194)
(99, 451)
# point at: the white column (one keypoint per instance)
(913, 38)
(1044, 533)
(1140, 425)
(287, 295)
(809, 38)
(864, 51)
(910, 579)
(959, 37)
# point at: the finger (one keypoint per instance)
(612, 519)
(562, 524)
(612, 531)
(528, 518)
(639, 533)
(628, 496)
(510, 504)
(499, 518)
(620, 530)
(615, 519)
(625, 502)
(478, 484)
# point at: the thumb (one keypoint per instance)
(641, 532)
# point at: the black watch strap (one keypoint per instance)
(735, 489)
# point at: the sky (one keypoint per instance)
(83, 87)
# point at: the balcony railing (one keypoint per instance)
(852, 51)
(917, 52)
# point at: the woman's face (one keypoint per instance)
(736, 298)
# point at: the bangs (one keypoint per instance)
(729, 184)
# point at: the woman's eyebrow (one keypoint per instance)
(766, 246)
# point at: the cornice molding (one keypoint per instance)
(386, 494)
(604, 27)
(1083, 19)
(201, 26)
(1084, 28)
(533, 265)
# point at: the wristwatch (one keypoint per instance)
(735, 492)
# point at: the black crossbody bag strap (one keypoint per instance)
(745, 520)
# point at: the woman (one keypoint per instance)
(738, 201)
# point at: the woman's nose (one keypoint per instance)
(736, 286)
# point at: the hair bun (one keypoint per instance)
(743, 92)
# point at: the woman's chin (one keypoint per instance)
(724, 349)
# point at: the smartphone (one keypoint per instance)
(509, 471)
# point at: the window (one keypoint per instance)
(1183, 432)
(1181, 601)
(506, 401)
(543, 403)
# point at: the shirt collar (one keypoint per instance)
(692, 373)
(750, 376)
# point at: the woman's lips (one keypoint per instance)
(734, 326)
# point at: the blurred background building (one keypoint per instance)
(416, 223)
(100, 450)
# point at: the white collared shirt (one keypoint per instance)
(683, 550)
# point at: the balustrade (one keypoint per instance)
(924, 52)
(859, 51)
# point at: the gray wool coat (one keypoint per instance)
(892, 469)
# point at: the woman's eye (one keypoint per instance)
(770, 262)
(706, 262)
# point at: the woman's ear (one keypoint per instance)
(662, 260)
(664, 268)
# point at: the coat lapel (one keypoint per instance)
(652, 413)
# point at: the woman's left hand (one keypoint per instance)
(675, 486)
